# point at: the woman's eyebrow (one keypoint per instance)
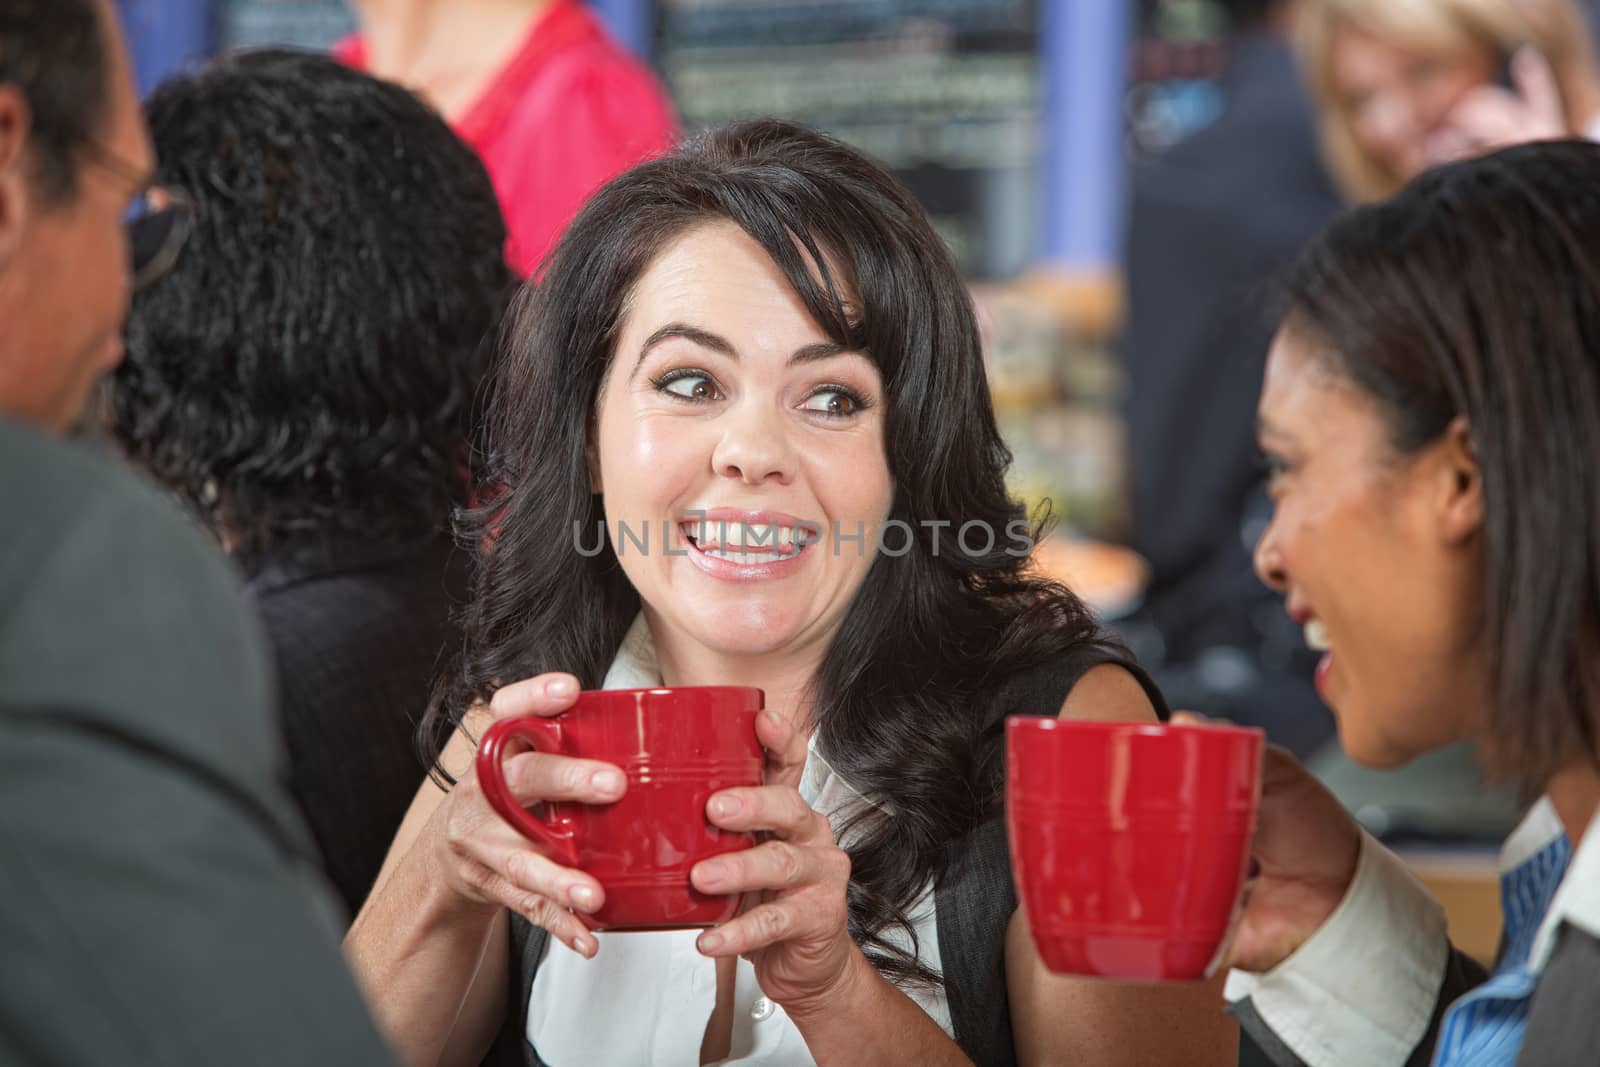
(703, 338)
(706, 339)
(819, 350)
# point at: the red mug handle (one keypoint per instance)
(556, 835)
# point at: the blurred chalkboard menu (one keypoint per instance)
(944, 92)
(301, 23)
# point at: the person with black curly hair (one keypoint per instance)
(304, 378)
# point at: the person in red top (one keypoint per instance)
(553, 105)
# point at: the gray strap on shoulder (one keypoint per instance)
(511, 1047)
(974, 903)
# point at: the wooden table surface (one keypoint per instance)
(1467, 883)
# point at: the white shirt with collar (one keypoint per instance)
(1577, 901)
(645, 999)
(1362, 989)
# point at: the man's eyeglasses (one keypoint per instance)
(158, 224)
(158, 220)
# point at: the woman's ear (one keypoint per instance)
(16, 178)
(1460, 483)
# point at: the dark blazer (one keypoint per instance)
(162, 903)
(360, 632)
(1563, 1025)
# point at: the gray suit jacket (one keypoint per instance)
(161, 897)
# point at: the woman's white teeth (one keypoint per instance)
(744, 542)
(1317, 636)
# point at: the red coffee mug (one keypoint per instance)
(677, 746)
(1130, 842)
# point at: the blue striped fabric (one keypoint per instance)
(1484, 1028)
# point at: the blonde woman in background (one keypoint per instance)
(1403, 85)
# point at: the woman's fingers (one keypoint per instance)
(537, 776)
(778, 810)
(543, 694)
(486, 860)
(771, 866)
(1279, 767)
(475, 836)
(541, 910)
(785, 747)
(496, 866)
(1494, 117)
(763, 925)
(1486, 118)
(1536, 83)
(791, 918)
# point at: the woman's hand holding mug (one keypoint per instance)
(1303, 860)
(484, 862)
(796, 929)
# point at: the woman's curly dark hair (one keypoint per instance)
(313, 360)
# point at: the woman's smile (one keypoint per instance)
(748, 546)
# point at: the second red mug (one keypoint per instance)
(677, 746)
(1130, 842)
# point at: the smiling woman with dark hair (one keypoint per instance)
(304, 378)
(761, 329)
(1431, 417)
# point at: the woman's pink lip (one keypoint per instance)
(770, 518)
(1324, 666)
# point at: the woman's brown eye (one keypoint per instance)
(690, 386)
(835, 403)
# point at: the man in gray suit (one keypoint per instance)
(161, 903)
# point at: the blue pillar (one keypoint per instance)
(630, 21)
(1084, 66)
(164, 36)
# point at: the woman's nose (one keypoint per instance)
(1269, 561)
(753, 448)
(1392, 127)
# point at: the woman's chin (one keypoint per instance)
(1370, 747)
(747, 630)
